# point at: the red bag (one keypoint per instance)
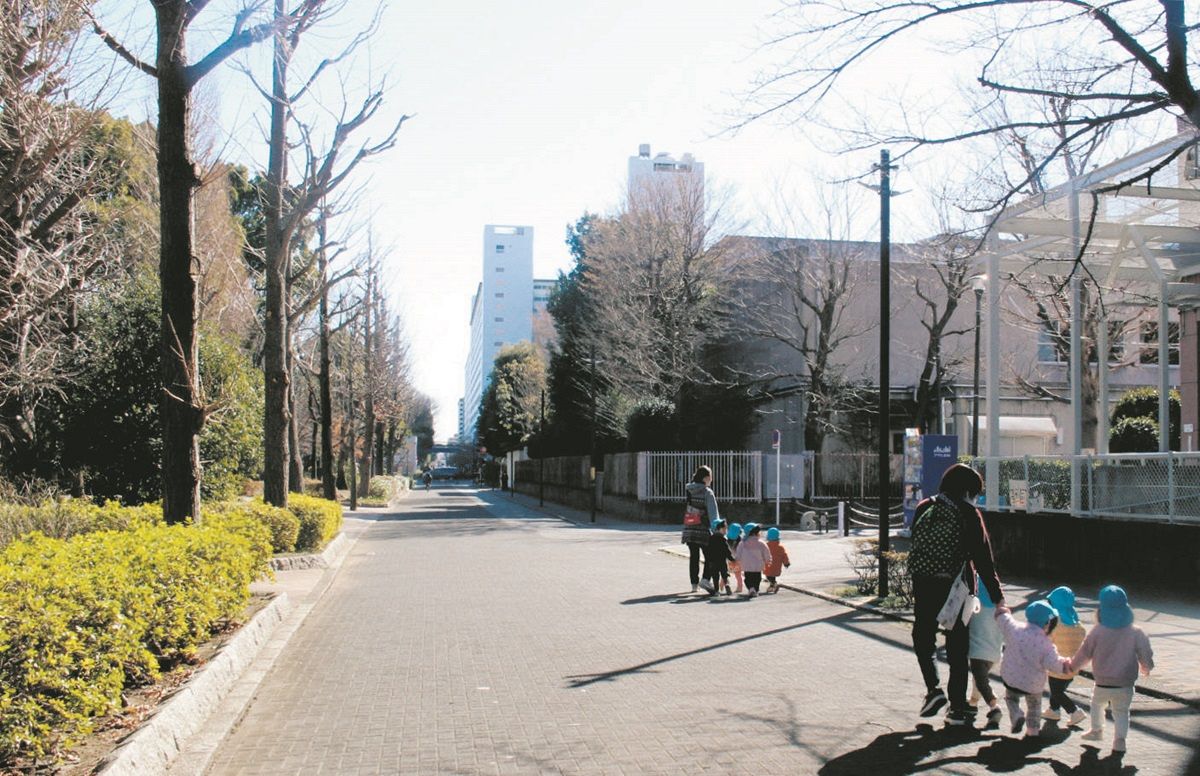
(691, 516)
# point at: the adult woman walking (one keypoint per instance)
(949, 538)
(700, 510)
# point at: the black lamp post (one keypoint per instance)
(978, 284)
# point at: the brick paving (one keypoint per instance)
(469, 634)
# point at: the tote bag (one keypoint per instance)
(960, 603)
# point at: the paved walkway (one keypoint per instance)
(467, 633)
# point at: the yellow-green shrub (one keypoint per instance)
(320, 520)
(383, 490)
(65, 517)
(228, 516)
(282, 524)
(82, 618)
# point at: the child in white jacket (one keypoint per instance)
(1028, 655)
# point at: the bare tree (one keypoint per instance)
(289, 205)
(1116, 63)
(182, 407)
(654, 277)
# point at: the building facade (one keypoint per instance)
(504, 308)
(647, 172)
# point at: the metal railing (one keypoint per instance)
(1146, 486)
(737, 476)
(854, 476)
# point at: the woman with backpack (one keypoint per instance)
(700, 509)
(949, 539)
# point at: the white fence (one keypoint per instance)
(1149, 486)
(737, 476)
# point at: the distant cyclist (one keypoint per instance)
(427, 477)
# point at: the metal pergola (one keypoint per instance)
(1145, 232)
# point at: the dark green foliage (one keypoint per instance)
(652, 426)
(1133, 435)
(510, 409)
(1143, 403)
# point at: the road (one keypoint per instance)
(466, 634)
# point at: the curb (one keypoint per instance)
(1162, 695)
(322, 560)
(152, 747)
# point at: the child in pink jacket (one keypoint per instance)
(753, 556)
(1029, 655)
(1116, 648)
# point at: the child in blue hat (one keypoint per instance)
(1116, 648)
(735, 539)
(1028, 655)
(985, 647)
(779, 560)
(1066, 637)
(716, 560)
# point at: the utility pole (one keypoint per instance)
(885, 417)
(592, 469)
(542, 454)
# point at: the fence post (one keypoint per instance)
(1170, 487)
(843, 529)
(1091, 480)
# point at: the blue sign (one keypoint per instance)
(926, 458)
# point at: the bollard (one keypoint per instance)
(824, 523)
(843, 529)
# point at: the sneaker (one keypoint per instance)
(727, 591)
(935, 699)
(993, 717)
(1018, 723)
(753, 594)
(704, 583)
(1032, 732)
(960, 717)
(1051, 714)
(1077, 716)
(1092, 735)
(773, 588)
(695, 588)
(1118, 744)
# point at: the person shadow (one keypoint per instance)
(913, 751)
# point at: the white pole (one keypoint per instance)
(778, 484)
(841, 518)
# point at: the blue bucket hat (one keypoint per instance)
(985, 600)
(1063, 600)
(1114, 608)
(735, 531)
(772, 534)
(717, 523)
(1040, 612)
(751, 528)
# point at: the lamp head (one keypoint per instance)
(979, 284)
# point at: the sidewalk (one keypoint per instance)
(819, 567)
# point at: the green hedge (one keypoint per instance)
(85, 617)
(384, 489)
(320, 520)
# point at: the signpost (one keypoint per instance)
(776, 438)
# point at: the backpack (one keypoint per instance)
(936, 538)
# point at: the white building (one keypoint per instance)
(502, 310)
(646, 171)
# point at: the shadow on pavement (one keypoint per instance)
(583, 680)
(913, 751)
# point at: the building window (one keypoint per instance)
(499, 269)
(1149, 354)
(499, 294)
(497, 344)
(499, 319)
(1053, 346)
(499, 249)
(1116, 343)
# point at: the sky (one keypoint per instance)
(525, 113)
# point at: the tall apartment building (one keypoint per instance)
(502, 310)
(647, 171)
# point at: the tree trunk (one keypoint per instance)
(367, 463)
(390, 457)
(181, 414)
(328, 484)
(296, 462)
(277, 409)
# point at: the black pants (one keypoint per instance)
(718, 575)
(694, 553)
(1058, 695)
(772, 579)
(753, 580)
(929, 595)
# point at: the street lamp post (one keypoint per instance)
(978, 284)
(542, 454)
(592, 462)
(885, 168)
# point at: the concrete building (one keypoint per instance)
(506, 304)
(662, 169)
